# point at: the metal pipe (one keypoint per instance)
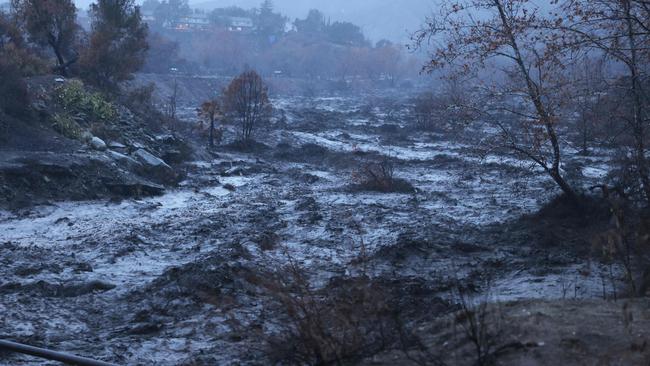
(50, 355)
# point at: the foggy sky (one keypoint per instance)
(390, 19)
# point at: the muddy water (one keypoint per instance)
(54, 257)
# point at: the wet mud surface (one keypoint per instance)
(175, 279)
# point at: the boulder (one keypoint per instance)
(125, 160)
(116, 145)
(149, 159)
(97, 144)
(154, 166)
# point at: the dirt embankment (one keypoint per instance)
(76, 144)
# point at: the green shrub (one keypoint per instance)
(65, 125)
(74, 97)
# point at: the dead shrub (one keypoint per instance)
(375, 176)
(479, 324)
(447, 111)
(424, 112)
(473, 334)
(340, 324)
(626, 243)
(379, 176)
(267, 241)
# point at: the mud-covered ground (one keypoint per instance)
(175, 279)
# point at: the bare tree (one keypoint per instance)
(620, 30)
(210, 110)
(172, 106)
(591, 107)
(246, 99)
(424, 111)
(503, 35)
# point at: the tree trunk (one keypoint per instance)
(546, 118)
(585, 148)
(565, 187)
(638, 118)
(211, 131)
(642, 161)
(61, 64)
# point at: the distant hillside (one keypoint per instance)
(390, 19)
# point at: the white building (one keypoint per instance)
(240, 24)
(193, 22)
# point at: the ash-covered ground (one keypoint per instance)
(175, 279)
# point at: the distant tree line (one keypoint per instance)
(313, 47)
